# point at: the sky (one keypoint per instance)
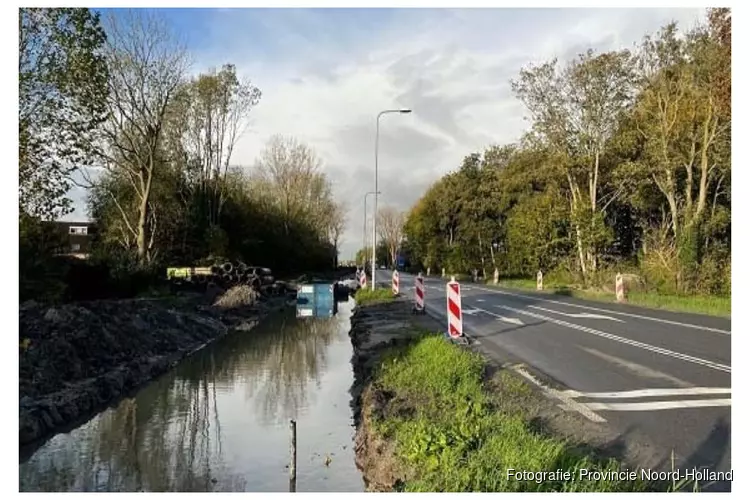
(325, 74)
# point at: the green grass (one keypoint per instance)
(698, 304)
(365, 296)
(452, 434)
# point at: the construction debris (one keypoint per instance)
(225, 275)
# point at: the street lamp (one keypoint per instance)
(375, 210)
(364, 231)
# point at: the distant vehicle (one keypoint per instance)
(382, 267)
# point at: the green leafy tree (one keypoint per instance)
(207, 116)
(575, 111)
(62, 89)
(683, 133)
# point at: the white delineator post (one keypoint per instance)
(419, 293)
(394, 282)
(539, 280)
(619, 288)
(455, 320)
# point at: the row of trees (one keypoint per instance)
(627, 164)
(115, 110)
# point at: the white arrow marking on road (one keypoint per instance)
(470, 312)
(514, 321)
(642, 345)
(618, 313)
(660, 405)
(578, 315)
(645, 393)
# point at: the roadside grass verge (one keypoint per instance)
(697, 304)
(365, 296)
(452, 434)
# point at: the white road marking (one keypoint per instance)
(586, 409)
(660, 405)
(469, 311)
(590, 308)
(577, 315)
(479, 300)
(648, 347)
(647, 393)
(515, 321)
(567, 403)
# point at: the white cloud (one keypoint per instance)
(452, 67)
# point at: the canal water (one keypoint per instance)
(220, 420)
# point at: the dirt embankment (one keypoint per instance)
(376, 328)
(76, 358)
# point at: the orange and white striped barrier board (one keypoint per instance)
(394, 282)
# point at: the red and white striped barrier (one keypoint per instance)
(419, 293)
(539, 281)
(455, 320)
(394, 282)
(363, 279)
(619, 288)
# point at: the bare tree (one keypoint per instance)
(289, 173)
(391, 229)
(146, 66)
(336, 225)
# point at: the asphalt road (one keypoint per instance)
(663, 378)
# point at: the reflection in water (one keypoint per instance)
(218, 422)
(285, 359)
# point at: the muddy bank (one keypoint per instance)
(76, 358)
(376, 328)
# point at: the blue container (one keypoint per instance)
(316, 300)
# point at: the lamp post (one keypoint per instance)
(364, 231)
(375, 209)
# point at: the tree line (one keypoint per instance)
(626, 166)
(112, 106)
